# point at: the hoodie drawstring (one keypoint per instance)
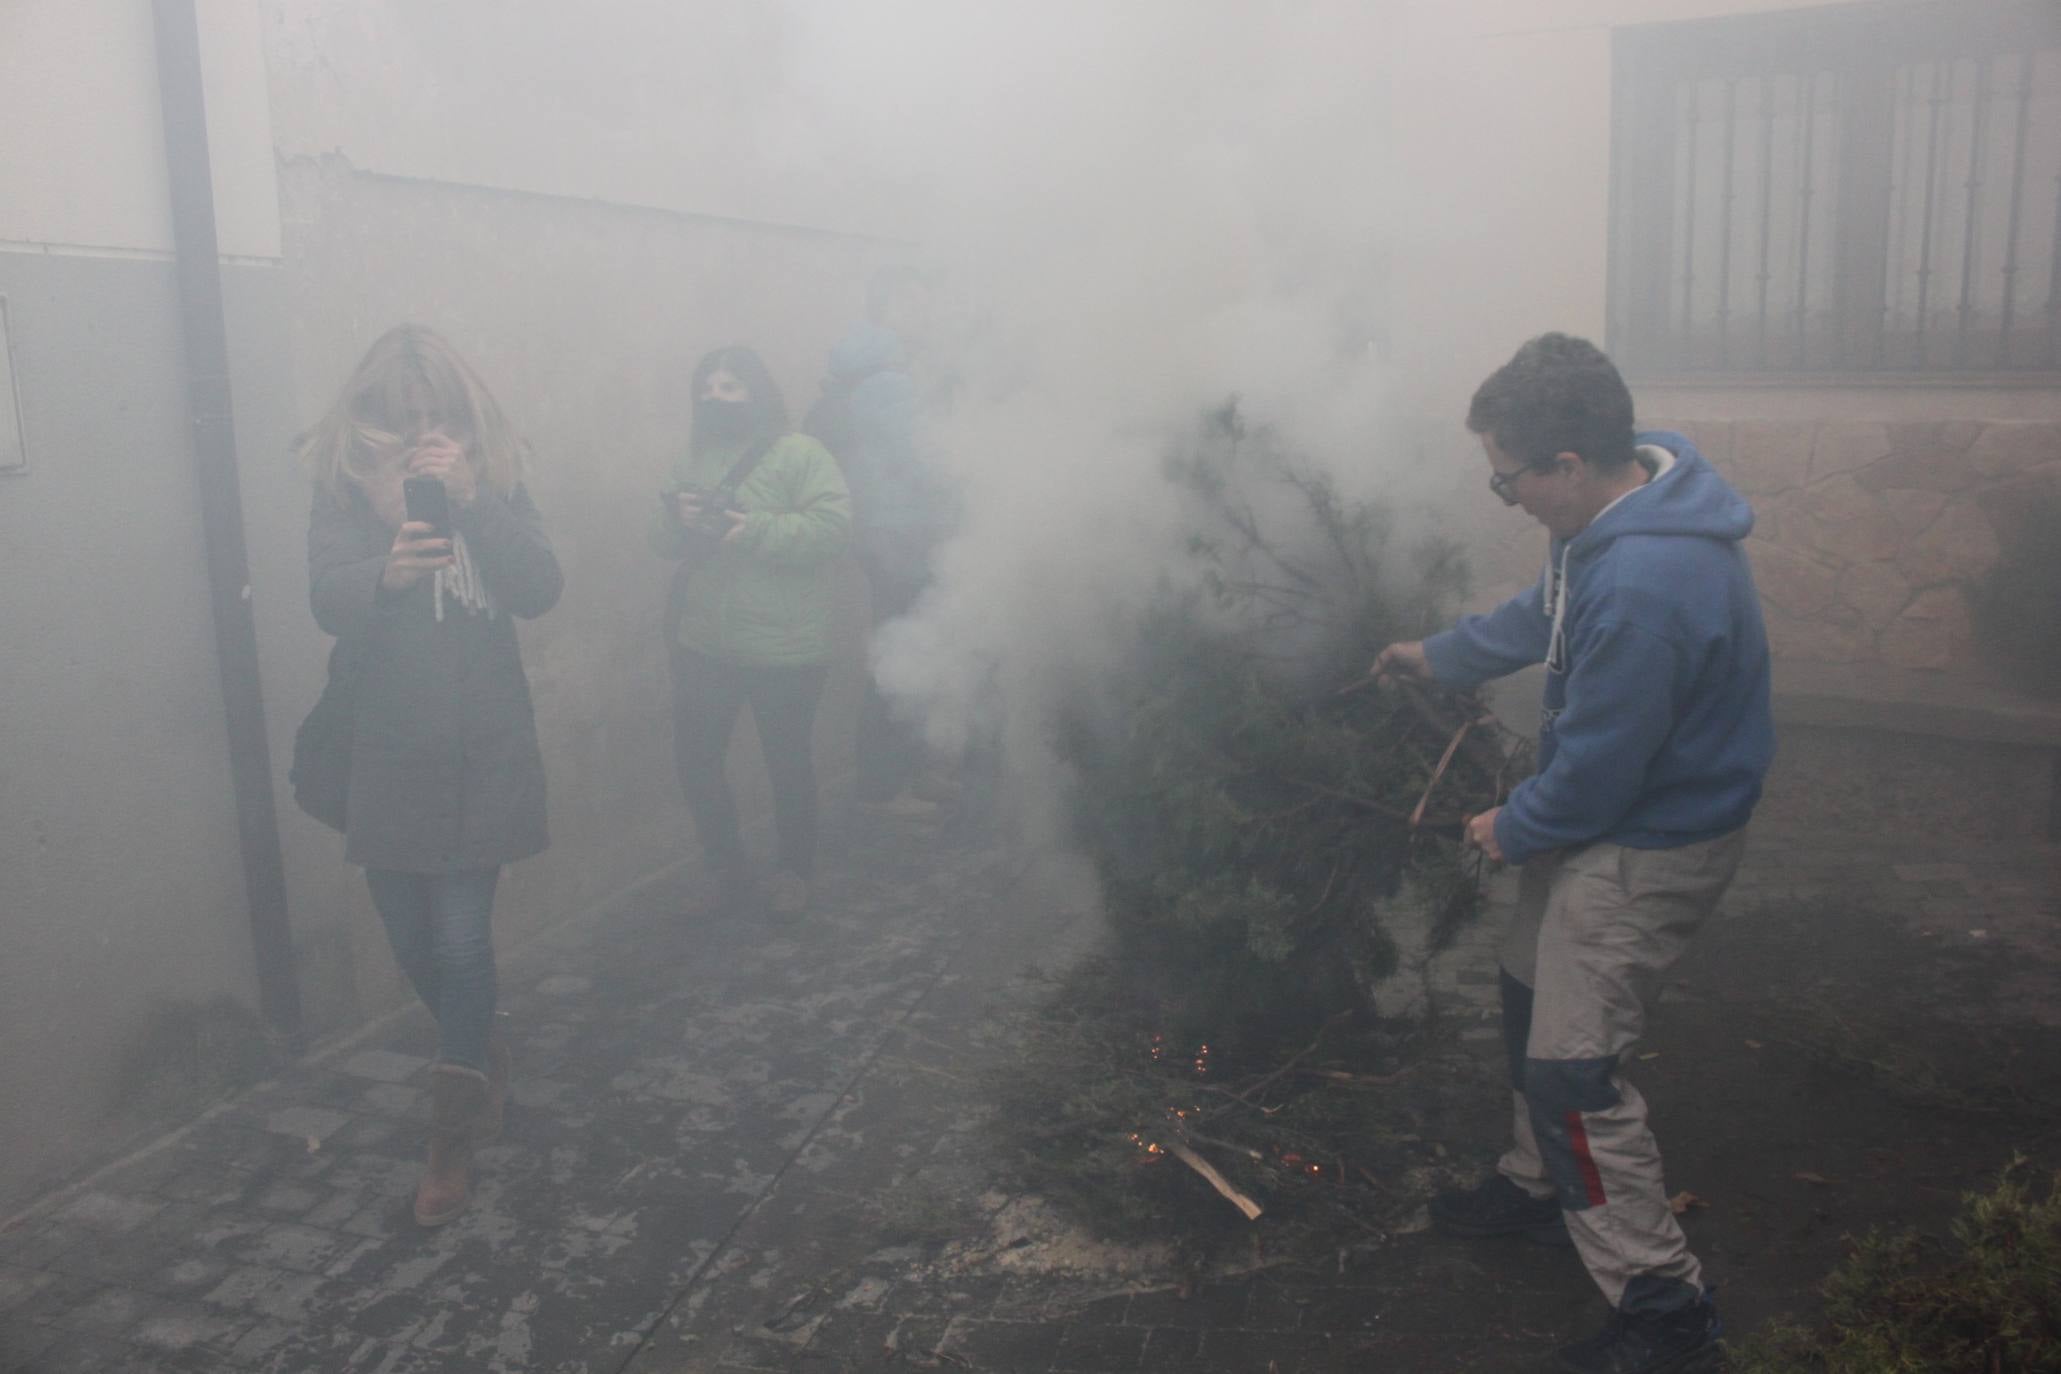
(1556, 607)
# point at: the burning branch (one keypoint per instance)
(1215, 1180)
(1247, 1094)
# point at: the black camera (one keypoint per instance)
(718, 504)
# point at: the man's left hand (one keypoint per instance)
(1481, 833)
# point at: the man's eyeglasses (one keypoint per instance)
(1500, 482)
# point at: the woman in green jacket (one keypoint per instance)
(756, 515)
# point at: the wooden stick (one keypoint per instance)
(1246, 1095)
(1215, 1180)
(1329, 883)
(1357, 685)
(1354, 798)
(1445, 761)
(1484, 753)
(1365, 1080)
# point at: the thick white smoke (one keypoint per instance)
(1142, 208)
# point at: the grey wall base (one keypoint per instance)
(125, 914)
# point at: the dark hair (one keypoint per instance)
(1559, 394)
(768, 406)
(888, 283)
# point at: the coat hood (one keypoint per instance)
(867, 348)
(1685, 497)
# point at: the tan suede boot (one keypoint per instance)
(497, 1090)
(458, 1100)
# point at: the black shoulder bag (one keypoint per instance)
(321, 771)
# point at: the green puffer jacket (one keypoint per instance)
(764, 598)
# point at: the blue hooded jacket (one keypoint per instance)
(1655, 731)
(898, 502)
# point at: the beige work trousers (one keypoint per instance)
(1595, 930)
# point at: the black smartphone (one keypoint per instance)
(429, 503)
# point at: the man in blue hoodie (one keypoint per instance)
(870, 417)
(1653, 741)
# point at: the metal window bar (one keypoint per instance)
(1807, 123)
(1767, 214)
(2054, 287)
(2011, 217)
(1729, 195)
(1971, 233)
(1928, 209)
(1686, 335)
(1955, 223)
(1902, 175)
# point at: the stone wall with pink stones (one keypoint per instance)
(1870, 536)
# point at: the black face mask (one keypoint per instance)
(722, 421)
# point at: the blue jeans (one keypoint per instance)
(441, 928)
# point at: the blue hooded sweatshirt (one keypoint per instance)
(898, 501)
(1655, 731)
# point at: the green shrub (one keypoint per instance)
(1988, 1302)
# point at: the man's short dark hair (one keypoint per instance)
(1559, 394)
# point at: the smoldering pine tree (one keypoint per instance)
(1255, 808)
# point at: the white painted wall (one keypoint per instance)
(123, 891)
(672, 106)
(82, 145)
(1503, 111)
(581, 205)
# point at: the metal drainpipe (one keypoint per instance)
(221, 508)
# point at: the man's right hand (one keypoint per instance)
(417, 552)
(1402, 661)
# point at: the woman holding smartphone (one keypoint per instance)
(758, 514)
(445, 783)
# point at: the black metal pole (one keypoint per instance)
(221, 507)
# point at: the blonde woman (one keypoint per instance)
(445, 781)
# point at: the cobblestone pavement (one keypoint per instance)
(735, 1146)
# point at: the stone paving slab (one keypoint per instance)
(736, 1146)
(669, 1072)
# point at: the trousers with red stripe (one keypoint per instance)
(1594, 931)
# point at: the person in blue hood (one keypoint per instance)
(1653, 742)
(870, 416)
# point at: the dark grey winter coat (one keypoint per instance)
(445, 774)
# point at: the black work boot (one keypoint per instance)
(1687, 1338)
(1500, 1208)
